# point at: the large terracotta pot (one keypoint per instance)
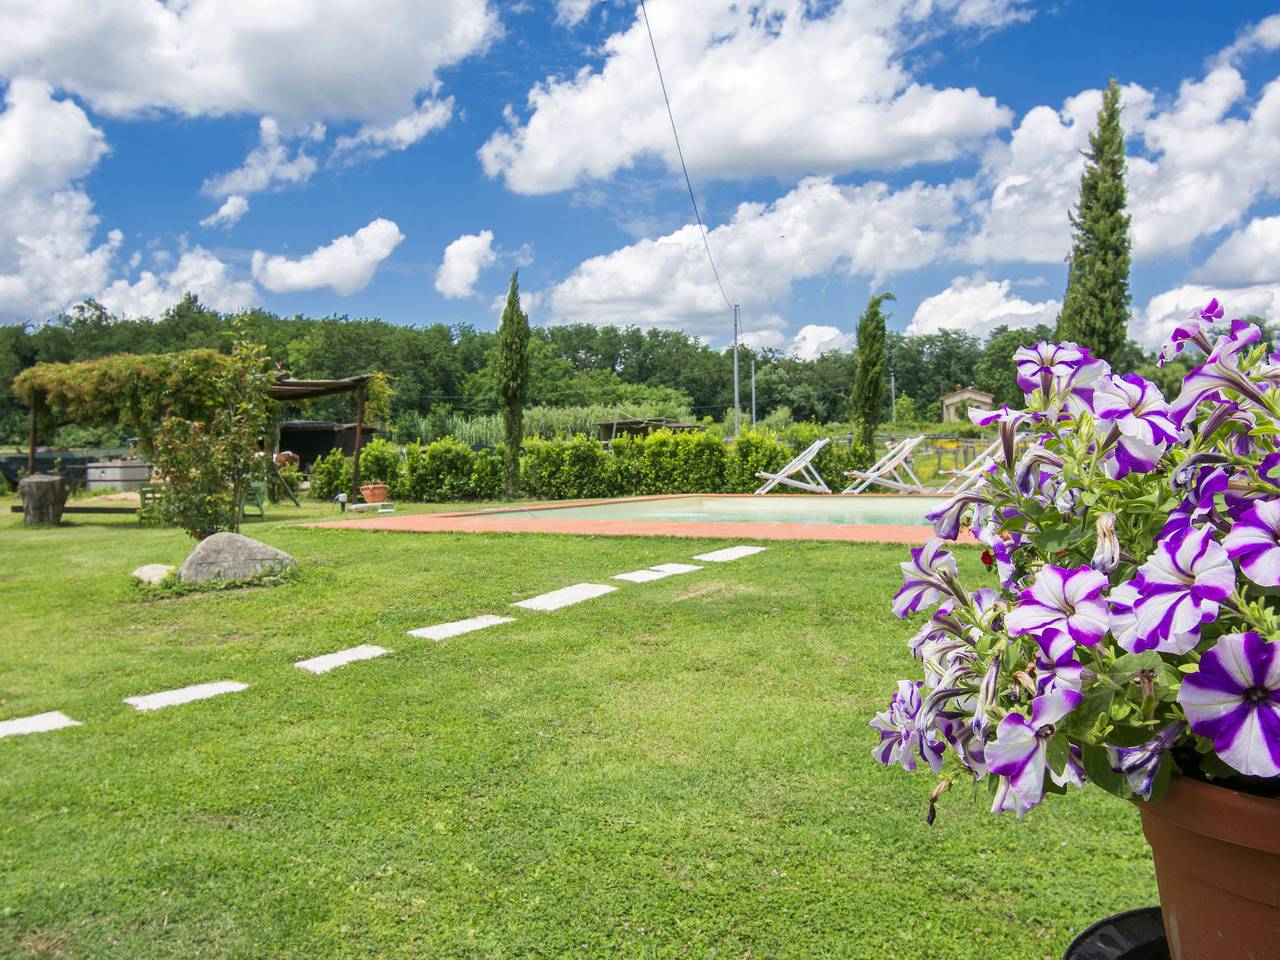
(374, 492)
(1217, 855)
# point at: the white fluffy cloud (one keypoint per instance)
(197, 271)
(229, 214)
(773, 88)
(330, 60)
(977, 305)
(1263, 35)
(270, 164)
(345, 265)
(463, 260)
(48, 257)
(375, 140)
(572, 12)
(1247, 256)
(817, 228)
(813, 340)
(1153, 324)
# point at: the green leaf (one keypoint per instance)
(1058, 753)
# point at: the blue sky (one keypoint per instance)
(929, 147)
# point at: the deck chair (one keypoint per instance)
(801, 465)
(961, 480)
(889, 471)
(149, 504)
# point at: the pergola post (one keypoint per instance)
(355, 469)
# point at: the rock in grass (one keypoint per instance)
(230, 556)
(152, 573)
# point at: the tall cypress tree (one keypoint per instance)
(513, 383)
(1095, 310)
(869, 385)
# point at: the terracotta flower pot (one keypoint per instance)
(1217, 858)
(374, 492)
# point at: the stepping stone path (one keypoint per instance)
(566, 597)
(171, 698)
(443, 631)
(238, 557)
(728, 553)
(40, 723)
(325, 663)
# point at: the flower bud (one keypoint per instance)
(1106, 555)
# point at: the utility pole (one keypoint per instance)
(893, 399)
(737, 403)
(753, 388)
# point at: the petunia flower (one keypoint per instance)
(1062, 603)
(1018, 755)
(1254, 542)
(1135, 409)
(1106, 553)
(1220, 372)
(1179, 589)
(1195, 329)
(927, 576)
(1234, 700)
(1141, 764)
(900, 740)
(947, 517)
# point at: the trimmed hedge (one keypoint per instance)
(581, 468)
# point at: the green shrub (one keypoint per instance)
(380, 462)
(754, 451)
(486, 476)
(439, 471)
(576, 469)
(692, 462)
(331, 475)
(625, 470)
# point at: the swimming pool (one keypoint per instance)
(867, 517)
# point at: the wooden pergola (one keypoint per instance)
(287, 389)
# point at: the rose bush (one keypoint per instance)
(1134, 627)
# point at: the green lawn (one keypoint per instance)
(679, 769)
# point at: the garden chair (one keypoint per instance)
(149, 495)
(254, 500)
(964, 478)
(889, 470)
(802, 465)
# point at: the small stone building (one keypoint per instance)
(956, 404)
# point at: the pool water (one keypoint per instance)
(784, 508)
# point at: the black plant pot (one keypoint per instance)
(1134, 935)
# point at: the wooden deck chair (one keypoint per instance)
(253, 501)
(802, 465)
(149, 495)
(889, 471)
(964, 478)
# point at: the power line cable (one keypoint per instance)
(680, 153)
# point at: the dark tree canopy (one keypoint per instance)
(1095, 309)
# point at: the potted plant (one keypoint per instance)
(373, 492)
(1131, 635)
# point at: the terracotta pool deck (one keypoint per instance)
(513, 520)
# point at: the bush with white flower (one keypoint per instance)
(1135, 629)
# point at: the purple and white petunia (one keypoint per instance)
(1135, 409)
(900, 739)
(1254, 542)
(1061, 605)
(1141, 764)
(1179, 589)
(1219, 374)
(1195, 329)
(1234, 700)
(1018, 755)
(927, 577)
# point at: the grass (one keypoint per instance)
(679, 769)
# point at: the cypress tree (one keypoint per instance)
(1095, 309)
(869, 385)
(513, 383)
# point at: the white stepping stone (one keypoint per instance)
(670, 568)
(728, 553)
(640, 576)
(566, 596)
(39, 723)
(325, 663)
(171, 698)
(443, 631)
